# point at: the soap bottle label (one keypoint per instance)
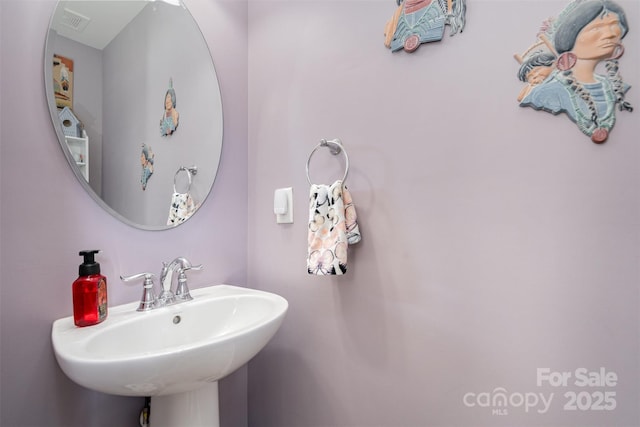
(102, 299)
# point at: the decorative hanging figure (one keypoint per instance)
(560, 69)
(146, 161)
(171, 117)
(421, 21)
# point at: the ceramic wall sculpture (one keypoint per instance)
(573, 68)
(171, 118)
(421, 21)
(146, 162)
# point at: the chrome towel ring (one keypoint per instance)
(336, 147)
(191, 170)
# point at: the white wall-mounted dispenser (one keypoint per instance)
(283, 205)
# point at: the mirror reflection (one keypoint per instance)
(136, 105)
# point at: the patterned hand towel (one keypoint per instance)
(332, 227)
(182, 207)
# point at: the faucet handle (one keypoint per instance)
(193, 267)
(148, 299)
(182, 290)
(137, 276)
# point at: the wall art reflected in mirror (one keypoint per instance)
(134, 100)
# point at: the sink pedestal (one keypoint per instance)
(192, 408)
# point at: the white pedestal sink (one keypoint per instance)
(174, 354)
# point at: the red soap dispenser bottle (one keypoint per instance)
(89, 292)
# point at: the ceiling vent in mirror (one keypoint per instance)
(75, 20)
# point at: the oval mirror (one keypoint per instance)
(136, 105)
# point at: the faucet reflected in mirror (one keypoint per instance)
(166, 296)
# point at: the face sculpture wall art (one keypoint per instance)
(420, 21)
(171, 118)
(146, 162)
(573, 67)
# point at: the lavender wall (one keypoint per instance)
(46, 218)
(496, 239)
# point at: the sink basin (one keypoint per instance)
(171, 350)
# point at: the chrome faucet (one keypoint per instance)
(149, 300)
(181, 265)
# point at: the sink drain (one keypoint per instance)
(176, 320)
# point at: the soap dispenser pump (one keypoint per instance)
(89, 292)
